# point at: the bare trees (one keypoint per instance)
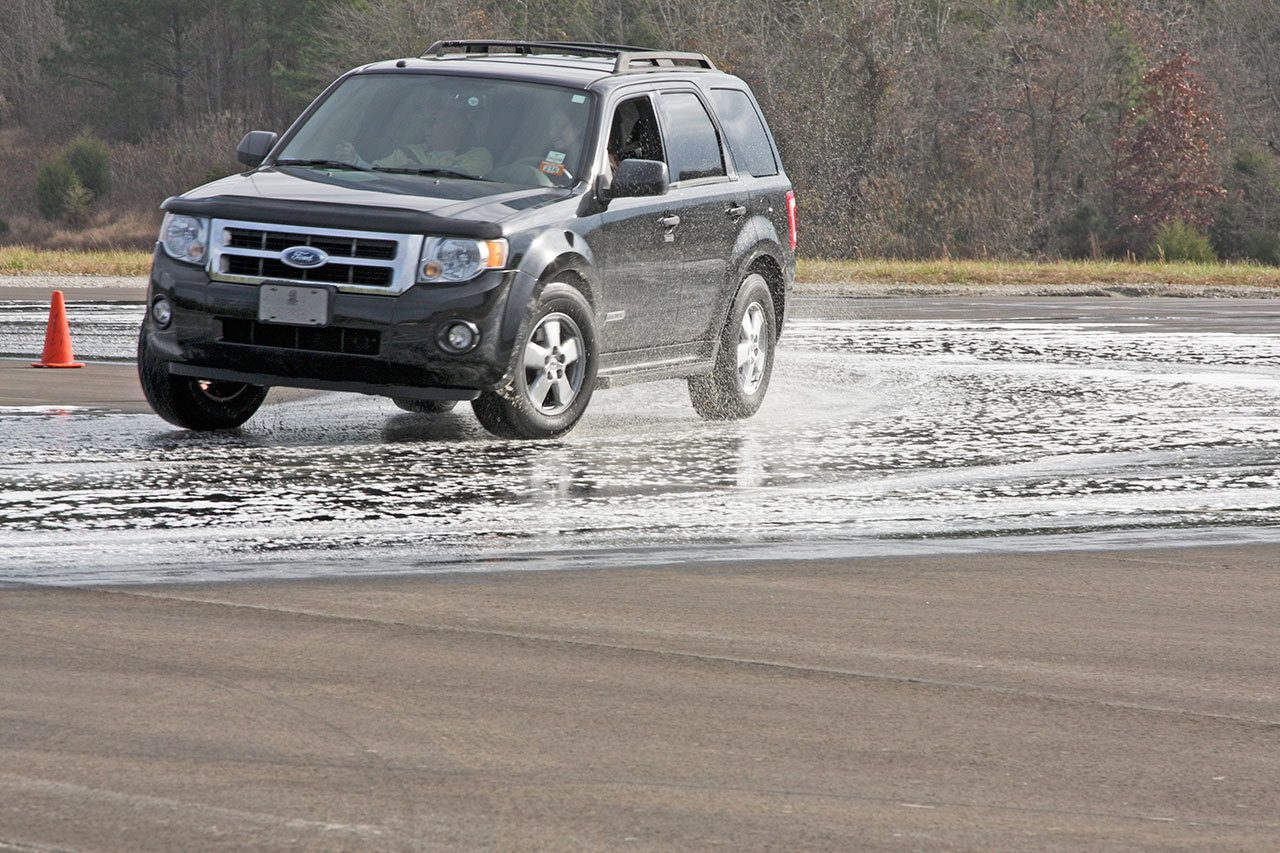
(911, 127)
(27, 29)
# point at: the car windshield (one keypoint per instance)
(447, 127)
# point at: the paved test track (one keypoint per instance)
(1007, 698)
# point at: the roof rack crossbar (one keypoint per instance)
(631, 62)
(628, 59)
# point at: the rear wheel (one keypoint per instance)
(555, 371)
(736, 386)
(196, 404)
(425, 407)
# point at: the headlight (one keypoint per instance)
(454, 259)
(185, 238)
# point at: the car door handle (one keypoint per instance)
(669, 221)
(735, 211)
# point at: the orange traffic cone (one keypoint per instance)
(57, 338)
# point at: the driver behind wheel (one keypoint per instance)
(444, 132)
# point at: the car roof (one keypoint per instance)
(573, 71)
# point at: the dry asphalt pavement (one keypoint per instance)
(1121, 700)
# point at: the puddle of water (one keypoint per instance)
(99, 330)
(876, 435)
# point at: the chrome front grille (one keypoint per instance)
(338, 247)
(359, 261)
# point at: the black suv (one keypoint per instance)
(512, 223)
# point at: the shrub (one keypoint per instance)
(4, 229)
(76, 211)
(90, 159)
(1261, 246)
(1083, 232)
(56, 182)
(1248, 218)
(1178, 241)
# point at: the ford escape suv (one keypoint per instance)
(516, 224)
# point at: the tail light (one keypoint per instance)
(791, 217)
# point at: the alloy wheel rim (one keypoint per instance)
(753, 349)
(554, 359)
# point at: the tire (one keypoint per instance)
(553, 374)
(425, 407)
(195, 404)
(736, 386)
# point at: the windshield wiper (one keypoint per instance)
(324, 164)
(431, 171)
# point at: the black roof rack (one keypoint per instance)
(627, 59)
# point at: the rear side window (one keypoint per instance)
(693, 146)
(748, 141)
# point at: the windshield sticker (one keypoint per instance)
(555, 156)
(549, 168)
(579, 99)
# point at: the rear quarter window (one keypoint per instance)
(693, 146)
(745, 133)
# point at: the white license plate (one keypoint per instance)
(297, 306)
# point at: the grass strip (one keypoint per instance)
(23, 260)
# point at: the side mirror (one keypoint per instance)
(640, 178)
(255, 146)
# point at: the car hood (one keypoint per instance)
(443, 198)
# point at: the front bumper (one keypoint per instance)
(207, 338)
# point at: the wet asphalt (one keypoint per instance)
(891, 426)
(939, 594)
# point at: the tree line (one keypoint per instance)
(911, 128)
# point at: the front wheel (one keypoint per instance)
(736, 386)
(197, 404)
(555, 371)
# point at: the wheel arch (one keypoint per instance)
(764, 258)
(569, 267)
(767, 267)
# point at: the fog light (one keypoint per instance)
(162, 312)
(459, 336)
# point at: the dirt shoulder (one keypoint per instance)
(1054, 702)
(77, 288)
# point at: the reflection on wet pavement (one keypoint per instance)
(99, 330)
(875, 431)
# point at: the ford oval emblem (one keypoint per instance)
(304, 257)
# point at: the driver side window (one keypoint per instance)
(633, 133)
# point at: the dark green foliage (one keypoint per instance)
(151, 63)
(68, 183)
(57, 188)
(1263, 247)
(90, 159)
(4, 229)
(1246, 225)
(1084, 232)
(1177, 241)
